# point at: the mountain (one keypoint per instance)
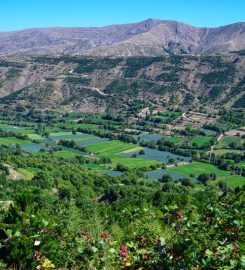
(147, 38)
(97, 84)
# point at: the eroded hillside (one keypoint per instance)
(95, 84)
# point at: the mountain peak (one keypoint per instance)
(149, 37)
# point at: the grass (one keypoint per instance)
(35, 136)
(110, 147)
(225, 141)
(160, 117)
(134, 162)
(66, 154)
(132, 150)
(199, 140)
(198, 168)
(61, 133)
(75, 125)
(26, 173)
(23, 131)
(233, 180)
(86, 139)
(170, 113)
(220, 152)
(174, 139)
(13, 140)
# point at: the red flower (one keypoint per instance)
(85, 235)
(179, 215)
(105, 235)
(123, 251)
(143, 240)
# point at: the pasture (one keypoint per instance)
(13, 141)
(198, 168)
(110, 147)
(199, 141)
(225, 142)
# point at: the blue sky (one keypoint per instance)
(22, 14)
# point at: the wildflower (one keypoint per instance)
(179, 215)
(85, 235)
(123, 251)
(143, 240)
(105, 235)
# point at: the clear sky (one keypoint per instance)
(22, 14)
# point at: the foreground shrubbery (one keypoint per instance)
(210, 240)
(66, 218)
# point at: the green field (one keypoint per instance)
(174, 139)
(86, 139)
(110, 147)
(83, 126)
(13, 140)
(225, 141)
(220, 152)
(134, 162)
(198, 168)
(233, 180)
(35, 136)
(23, 131)
(66, 154)
(170, 113)
(199, 140)
(61, 133)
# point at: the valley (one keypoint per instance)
(121, 143)
(122, 147)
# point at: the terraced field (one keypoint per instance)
(149, 137)
(111, 147)
(13, 141)
(157, 174)
(199, 141)
(198, 168)
(225, 142)
(233, 180)
(154, 154)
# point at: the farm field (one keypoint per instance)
(134, 162)
(66, 154)
(226, 141)
(90, 141)
(199, 141)
(219, 152)
(154, 154)
(68, 135)
(83, 126)
(110, 148)
(35, 136)
(197, 168)
(119, 152)
(157, 174)
(13, 141)
(233, 180)
(149, 137)
(174, 139)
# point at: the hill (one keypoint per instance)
(95, 84)
(147, 38)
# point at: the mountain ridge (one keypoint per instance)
(150, 37)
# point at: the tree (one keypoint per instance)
(203, 178)
(187, 182)
(166, 178)
(142, 152)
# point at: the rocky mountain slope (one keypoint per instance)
(147, 38)
(97, 84)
